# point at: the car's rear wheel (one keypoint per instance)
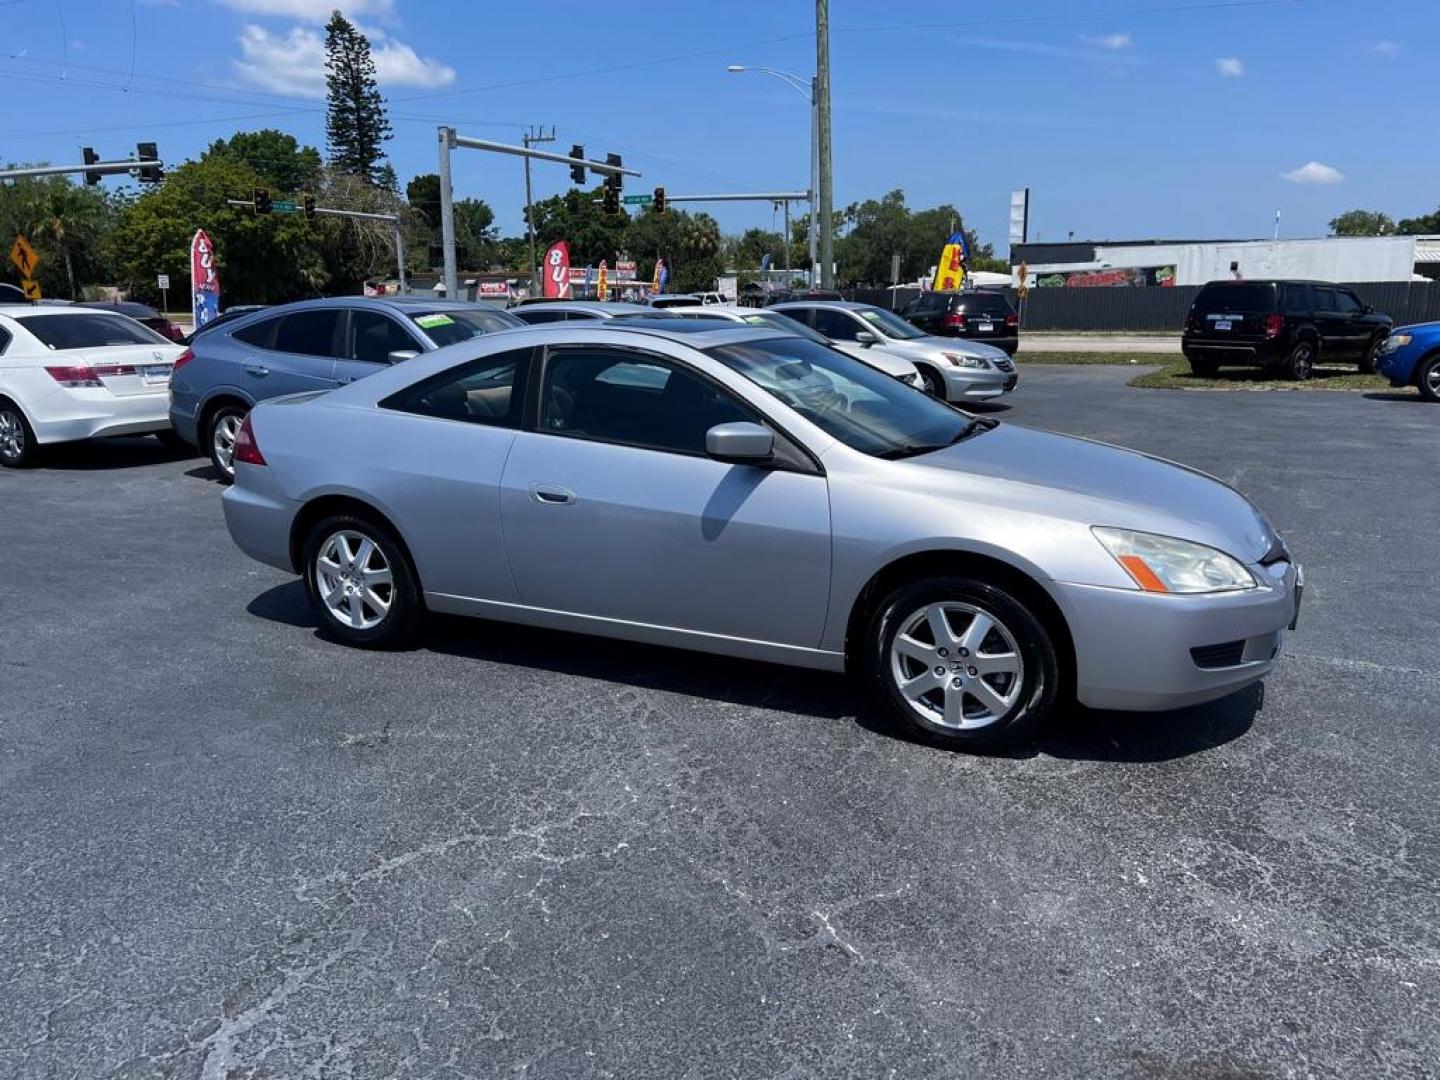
(961, 663)
(359, 580)
(220, 435)
(934, 384)
(17, 439)
(1428, 378)
(1204, 366)
(1300, 362)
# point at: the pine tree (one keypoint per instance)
(356, 125)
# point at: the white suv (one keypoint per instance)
(69, 373)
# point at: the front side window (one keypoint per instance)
(1325, 301)
(849, 400)
(373, 337)
(612, 395)
(485, 391)
(70, 331)
(836, 325)
(309, 333)
(1349, 304)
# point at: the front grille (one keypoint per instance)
(1011, 381)
(1004, 364)
(1226, 654)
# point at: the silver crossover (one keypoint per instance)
(953, 369)
(743, 491)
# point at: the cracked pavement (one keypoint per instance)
(234, 850)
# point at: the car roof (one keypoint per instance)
(715, 311)
(697, 335)
(398, 305)
(27, 311)
(838, 305)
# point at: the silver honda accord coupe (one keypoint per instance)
(742, 491)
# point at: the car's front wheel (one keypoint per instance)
(220, 438)
(17, 439)
(1300, 362)
(962, 663)
(1204, 366)
(934, 384)
(359, 580)
(1372, 353)
(1428, 378)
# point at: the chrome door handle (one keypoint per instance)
(257, 369)
(345, 379)
(552, 495)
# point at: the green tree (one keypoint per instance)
(577, 217)
(261, 259)
(689, 244)
(277, 158)
(356, 124)
(67, 225)
(746, 253)
(1362, 223)
(1419, 226)
(878, 229)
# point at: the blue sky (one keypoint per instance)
(1126, 118)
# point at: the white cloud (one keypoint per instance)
(294, 63)
(1314, 173)
(1230, 67)
(1108, 41)
(316, 11)
(1385, 48)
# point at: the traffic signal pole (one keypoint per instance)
(99, 168)
(450, 141)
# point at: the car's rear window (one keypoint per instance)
(1236, 296)
(71, 331)
(986, 304)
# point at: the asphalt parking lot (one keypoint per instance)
(235, 850)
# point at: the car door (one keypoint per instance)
(1334, 328)
(842, 328)
(1354, 322)
(369, 337)
(298, 353)
(611, 508)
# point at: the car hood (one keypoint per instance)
(1094, 483)
(929, 345)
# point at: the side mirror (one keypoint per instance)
(740, 443)
(401, 355)
(866, 338)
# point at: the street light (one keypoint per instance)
(806, 89)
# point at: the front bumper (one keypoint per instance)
(1399, 366)
(1133, 649)
(972, 384)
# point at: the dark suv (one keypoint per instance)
(1287, 326)
(983, 316)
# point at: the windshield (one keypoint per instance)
(889, 324)
(864, 408)
(773, 320)
(457, 325)
(70, 331)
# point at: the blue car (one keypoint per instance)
(1410, 356)
(310, 345)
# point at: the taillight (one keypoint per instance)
(183, 359)
(1273, 325)
(955, 320)
(73, 377)
(246, 448)
(1191, 323)
(1012, 320)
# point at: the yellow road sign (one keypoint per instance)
(23, 256)
(31, 288)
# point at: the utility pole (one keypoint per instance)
(447, 215)
(814, 229)
(532, 137)
(822, 108)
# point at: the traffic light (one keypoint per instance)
(577, 172)
(91, 158)
(611, 199)
(307, 206)
(149, 174)
(261, 198)
(657, 203)
(614, 180)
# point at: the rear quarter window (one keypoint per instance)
(259, 334)
(1236, 296)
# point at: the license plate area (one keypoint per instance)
(985, 327)
(1223, 324)
(154, 374)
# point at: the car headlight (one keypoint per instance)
(961, 360)
(1162, 564)
(1393, 342)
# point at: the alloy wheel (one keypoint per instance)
(354, 580)
(1304, 361)
(223, 440)
(12, 435)
(956, 666)
(1432, 380)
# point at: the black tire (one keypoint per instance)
(1030, 701)
(1204, 366)
(1299, 362)
(1427, 377)
(933, 383)
(399, 624)
(17, 438)
(1372, 351)
(213, 447)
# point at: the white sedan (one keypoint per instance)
(71, 373)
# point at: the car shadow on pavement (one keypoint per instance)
(1397, 395)
(117, 452)
(1076, 734)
